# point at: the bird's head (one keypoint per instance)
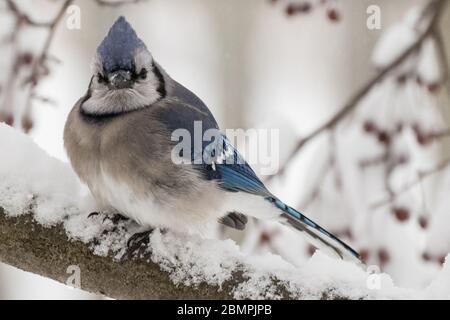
(125, 76)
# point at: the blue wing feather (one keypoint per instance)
(231, 170)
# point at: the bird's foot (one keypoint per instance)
(234, 220)
(114, 218)
(93, 214)
(138, 243)
(139, 239)
(108, 228)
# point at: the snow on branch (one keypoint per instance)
(45, 228)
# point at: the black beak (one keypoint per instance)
(120, 80)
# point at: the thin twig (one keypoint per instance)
(437, 36)
(441, 134)
(39, 62)
(421, 175)
(24, 18)
(374, 161)
(52, 30)
(329, 166)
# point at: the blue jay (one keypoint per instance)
(119, 140)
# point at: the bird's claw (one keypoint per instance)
(234, 220)
(139, 238)
(93, 214)
(137, 242)
(114, 218)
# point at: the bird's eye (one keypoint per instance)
(143, 74)
(100, 78)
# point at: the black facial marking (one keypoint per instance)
(96, 118)
(162, 84)
(101, 78)
(143, 74)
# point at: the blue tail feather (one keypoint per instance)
(320, 236)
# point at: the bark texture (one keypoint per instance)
(48, 252)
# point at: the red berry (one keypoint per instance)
(264, 238)
(27, 124)
(369, 127)
(26, 58)
(7, 118)
(423, 139)
(384, 137)
(311, 250)
(294, 8)
(401, 213)
(291, 9)
(426, 256)
(364, 254)
(423, 222)
(433, 87)
(333, 15)
(383, 256)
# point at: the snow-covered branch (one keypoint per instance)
(27, 245)
(46, 228)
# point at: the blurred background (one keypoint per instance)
(378, 176)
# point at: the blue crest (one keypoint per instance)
(117, 49)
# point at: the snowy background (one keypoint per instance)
(257, 65)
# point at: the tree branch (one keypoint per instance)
(31, 247)
(47, 251)
(421, 175)
(434, 8)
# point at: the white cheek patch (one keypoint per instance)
(105, 101)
